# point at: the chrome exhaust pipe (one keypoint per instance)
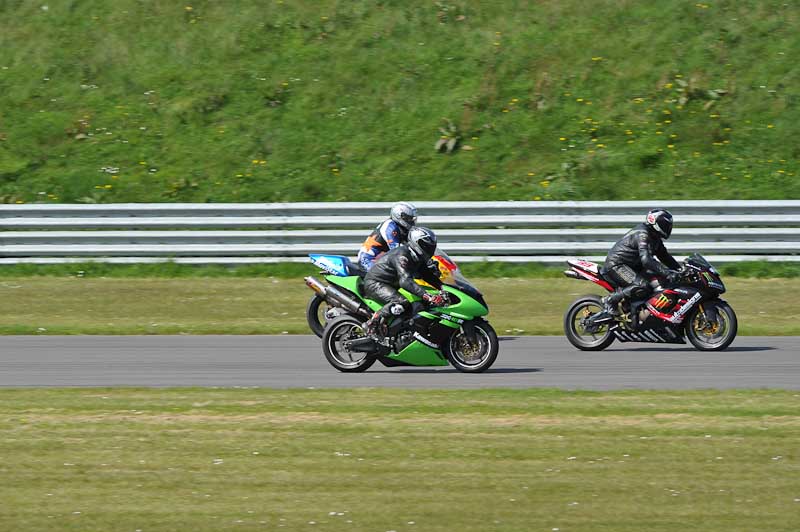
(315, 285)
(336, 298)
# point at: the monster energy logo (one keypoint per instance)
(661, 302)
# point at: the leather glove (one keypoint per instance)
(433, 267)
(673, 277)
(437, 299)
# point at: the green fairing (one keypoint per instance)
(419, 354)
(350, 282)
(448, 323)
(466, 309)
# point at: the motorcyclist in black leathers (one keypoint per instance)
(397, 269)
(633, 254)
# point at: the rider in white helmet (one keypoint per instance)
(388, 234)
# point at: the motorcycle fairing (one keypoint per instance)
(418, 354)
(333, 264)
(653, 335)
(672, 305)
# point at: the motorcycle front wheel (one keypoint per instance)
(335, 340)
(575, 326)
(469, 356)
(714, 335)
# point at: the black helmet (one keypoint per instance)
(660, 221)
(405, 214)
(422, 242)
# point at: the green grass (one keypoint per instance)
(273, 305)
(171, 270)
(367, 460)
(124, 100)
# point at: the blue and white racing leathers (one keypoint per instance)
(387, 235)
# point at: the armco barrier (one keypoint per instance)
(724, 231)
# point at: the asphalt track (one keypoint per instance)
(297, 362)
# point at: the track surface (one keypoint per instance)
(297, 361)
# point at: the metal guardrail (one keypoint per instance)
(723, 231)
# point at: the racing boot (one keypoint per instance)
(375, 328)
(610, 303)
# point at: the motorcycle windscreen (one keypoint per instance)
(451, 273)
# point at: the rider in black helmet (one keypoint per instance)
(636, 252)
(397, 269)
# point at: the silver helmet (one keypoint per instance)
(404, 214)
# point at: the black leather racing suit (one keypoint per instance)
(397, 269)
(630, 256)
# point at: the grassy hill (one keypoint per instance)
(282, 100)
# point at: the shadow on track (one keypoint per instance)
(451, 370)
(742, 349)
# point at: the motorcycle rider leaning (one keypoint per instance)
(389, 234)
(397, 269)
(633, 254)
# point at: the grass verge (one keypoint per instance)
(50, 305)
(171, 270)
(366, 460)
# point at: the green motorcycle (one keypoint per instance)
(456, 334)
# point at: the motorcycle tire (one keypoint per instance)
(714, 336)
(315, 314)
(469, 357)
(572, 325)
(336, 332)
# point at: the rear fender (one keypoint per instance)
(587, 270)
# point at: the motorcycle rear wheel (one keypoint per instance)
(576, 333)
(470, 357)
(334, 337)
(315, 314)
(715, 336)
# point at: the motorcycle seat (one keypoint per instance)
(353, 268)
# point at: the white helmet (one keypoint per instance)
(404, 214)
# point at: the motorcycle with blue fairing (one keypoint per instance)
(456, 333)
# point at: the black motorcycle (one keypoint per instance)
(691, 309)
